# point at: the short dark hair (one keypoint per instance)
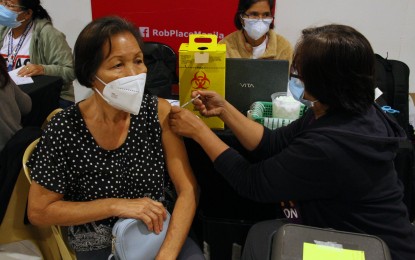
(245, 5)
(38, 11)
(88, 49)
(337, 65)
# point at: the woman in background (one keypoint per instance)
(29, 41)
(255, 37)
(13, 104)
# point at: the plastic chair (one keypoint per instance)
(13, 227)
(26, 156)
(65, 252)
(49, 117)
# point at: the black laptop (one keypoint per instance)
(250, 80)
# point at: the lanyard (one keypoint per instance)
(12, 54)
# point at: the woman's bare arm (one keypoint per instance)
(185, 184)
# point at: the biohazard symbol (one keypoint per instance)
(199, 80)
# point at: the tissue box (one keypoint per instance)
(286, 107)
(261, 112)
(202, 65)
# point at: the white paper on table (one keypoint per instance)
(19, 80)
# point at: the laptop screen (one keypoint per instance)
(250, 80)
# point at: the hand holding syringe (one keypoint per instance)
(190, 101)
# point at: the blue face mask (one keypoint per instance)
(8, 17)
(296, 87)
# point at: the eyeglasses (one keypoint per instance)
(257, 16)
(9, 4)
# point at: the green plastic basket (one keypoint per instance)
(261, 112)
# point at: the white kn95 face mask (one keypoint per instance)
(256, 28)
(124, 93)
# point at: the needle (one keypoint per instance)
(190, 101)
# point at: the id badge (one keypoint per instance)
(9, 64)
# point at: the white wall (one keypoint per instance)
(388, 24)
(69, 16)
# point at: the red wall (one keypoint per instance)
(170, 21)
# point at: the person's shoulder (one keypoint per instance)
(152, 103)
(280, 45)
(150, 100)
(42, 24)
(68, 115)
(8, 89)
(3, 31)
(45, 27)
(233, 36)
(164, 107)
(279, 38)
(11, 87)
